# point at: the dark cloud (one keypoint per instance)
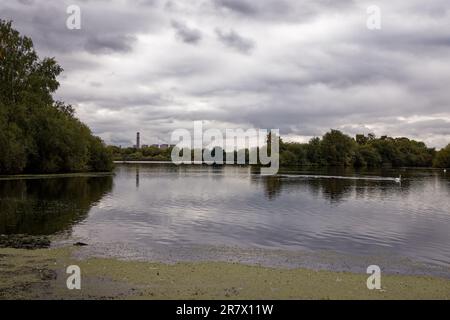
(26, 2)
(96, 84)
(306, 67)
(282, 10)
(105, 26)
(233, 40)
(241, 6)
(186, 34)
(109, 43)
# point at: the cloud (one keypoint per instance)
(243, 7)
(26, 2)
(234, 40)
(186, 34)
(283, 11)
(105, 26)
(109, 43)
(302, 66)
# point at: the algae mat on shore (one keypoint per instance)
(41, 274)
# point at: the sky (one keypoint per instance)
(302, 67)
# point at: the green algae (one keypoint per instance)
(40, 274)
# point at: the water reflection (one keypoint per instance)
(332, 187)
(48, 206)
(137, 176)
(334, 190)
(164, 207)
(272, 186)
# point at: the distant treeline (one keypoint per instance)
(333, 149)
(151, 153)
(37, 133)
(338, 149)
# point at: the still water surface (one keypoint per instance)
(161, 207)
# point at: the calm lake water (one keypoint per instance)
(152, 210)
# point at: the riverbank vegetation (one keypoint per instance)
(151, 153)
(37, 133)
(334, 148)
(338, 149)
(442, 158)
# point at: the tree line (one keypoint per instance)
(150, 153)
(338, 149)
(334, 148)
(37, 133)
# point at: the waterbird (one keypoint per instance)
(399, 179)
(445, 170)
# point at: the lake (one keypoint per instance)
(330, 218)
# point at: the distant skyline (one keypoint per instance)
(301, 66)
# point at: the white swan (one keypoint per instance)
(399, 179)
(445, 170)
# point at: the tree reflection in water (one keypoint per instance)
(48, 206)
(335, 190)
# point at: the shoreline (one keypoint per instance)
(40, 274)
(282, 258)
(56, 175)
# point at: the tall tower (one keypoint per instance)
(138, 140)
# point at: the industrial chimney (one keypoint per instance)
(138, 141)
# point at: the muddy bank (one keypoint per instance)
(283, 259)
(41, 274)
(24, 241)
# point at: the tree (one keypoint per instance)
(298, 151)
(442, 159)
(99, 156)
(361, 139)
(337, 149)
(313, 151)
(387, 150)
(37, 133)
(367, 156)
(12, 150)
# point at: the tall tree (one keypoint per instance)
(37, 133)
(442, 159)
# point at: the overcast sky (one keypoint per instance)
(301, 66)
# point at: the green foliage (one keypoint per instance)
(333, 149)
(38, 134)
(367, 156)
(12, 150)
(151, 153)
(403, 152)
(442, 159)
(293, 154)
(338, 149)
(99, 156)
(313, 152)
